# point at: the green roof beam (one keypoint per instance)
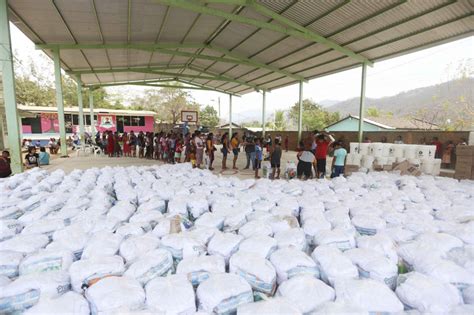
(304, 34)
(140, 70)
(307, 33)
(121, 46)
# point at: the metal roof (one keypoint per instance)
(233, 46)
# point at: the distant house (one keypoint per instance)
(351, 123)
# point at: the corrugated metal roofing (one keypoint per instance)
(375, 30)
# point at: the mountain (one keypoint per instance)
(326, 103)
(451, 99)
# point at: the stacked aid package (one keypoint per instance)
(176, 240)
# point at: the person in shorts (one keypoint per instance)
(275, 159)
(339, 160)
(306, 160)
(234, 145)
(31, 158)
(323, 141)
(258, 156)
(224, 149)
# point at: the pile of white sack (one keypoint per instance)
(175, 240)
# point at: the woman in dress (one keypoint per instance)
(210, 149)
(225, 149)
(110, 144)
(126, 144)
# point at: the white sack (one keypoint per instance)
(274, 306)
(150, 265)
(171, 295)
(198, 269)
(46, 260)
(135, 246)
(102, 244)
(262, 246)
(9, 263)
(333, 265)
(290, 262)
(25, 243)
(257, 271)
(224, 244)
(68, 303)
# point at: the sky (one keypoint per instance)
(386, 78)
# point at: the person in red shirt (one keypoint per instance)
(323, 141)
(439, 147)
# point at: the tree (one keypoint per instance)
(280, 121)
(208, 116)
(314, 116)
(372, 112)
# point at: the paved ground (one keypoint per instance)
(84, 162)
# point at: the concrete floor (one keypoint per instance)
(85, 162)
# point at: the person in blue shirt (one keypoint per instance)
(339, 160)
(258, 156)
(43, 157)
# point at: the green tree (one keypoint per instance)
(315, 117)
(208, 116)
(372, 112)
(280, 122)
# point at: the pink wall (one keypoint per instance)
(25, 129)
(46, 123)
(149, 126)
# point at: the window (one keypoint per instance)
(26, 121)
(75, 119)
(126, 121)
(119, 118)
(68, 118)
(87, 119)
(141, 121)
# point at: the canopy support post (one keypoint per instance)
(91, 107)
(264, 105)
(230, 115)
(11, 112)
(300, 112)
(59, 102)
(81, 109)
(362, 102)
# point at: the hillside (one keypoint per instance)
(456, 96)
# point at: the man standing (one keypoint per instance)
(249, 152)
(199, 148)
(339, 160)
(323, 141)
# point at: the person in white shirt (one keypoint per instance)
(199, 149)
(306, 160)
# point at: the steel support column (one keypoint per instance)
(230, 115)
(300, 112)
(264, 105)
(362, 102)
(59, 102)
(91, 107)
(81, 110)
(11, 112)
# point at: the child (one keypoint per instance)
(192, 155)
(275, 159)
(258, 157)
(177, 152)
(339, 160)
(43, 157)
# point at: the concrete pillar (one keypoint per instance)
(11, 112)
(300, 112)
(362, 102)
(59, 102)
(230, 115)
(264, 105)
(91, 107)
(81, 110)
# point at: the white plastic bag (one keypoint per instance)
(426, 294)
(46, 260)
(171, 295)
(333, 265)
(198, 269)
(68, 303)
(150, 265)
(135, 246)
(274, 306)
(290, 262)
(9, 263)
(223, 293)
(102, 244)
(113, 293)
(224, 244)
(258, 271)
(305, 292)
(262, 246)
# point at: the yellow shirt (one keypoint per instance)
(234, 143)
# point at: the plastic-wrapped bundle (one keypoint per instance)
(368, 224)
(292, 238)
(46, 260)
(27, 290)
(256, 227)
(102, 244)
(426, 294)
(198, 269)
(370, 295)
(9, 263)
(182, 246)
(210, 219)
(305, 292)
(68, 303)
(135, 246)
(9, 228)
(275, 306)
(178, 205)
(337, 238)
(122, 210)
(223, 293)
(87, 271)
(224, 244)
(25, 243)
(380, 243)
(197, 206)
(115, 293)
(262, 246)
(155, 263)
(171, 295)
(258, 271)
(333, 265)
(290, 262)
